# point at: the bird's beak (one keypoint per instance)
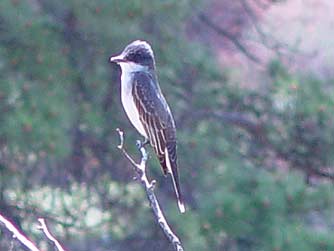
(117, 59)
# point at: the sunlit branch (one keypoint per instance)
(18, 235)
(48, 235)
(140, 169)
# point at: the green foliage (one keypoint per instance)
(261, 210)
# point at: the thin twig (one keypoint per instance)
(122, 148)
(258, 131)
(24, 240)
(262, 5)
(140, 170)
(269, 41)
(48, 235)
(18, 235)
(206, 20)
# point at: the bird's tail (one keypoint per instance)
(170, 153)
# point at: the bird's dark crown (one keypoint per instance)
(139, 52)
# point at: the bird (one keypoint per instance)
(147, 108)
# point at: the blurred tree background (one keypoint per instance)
(255, 125)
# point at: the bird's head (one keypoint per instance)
(138, 53)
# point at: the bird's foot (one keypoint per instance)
(146, 142)
(141, 144)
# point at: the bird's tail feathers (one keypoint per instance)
(172, 169)
(180, 203)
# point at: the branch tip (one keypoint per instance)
(121, 137)
(48, 234)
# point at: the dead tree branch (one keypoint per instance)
(262, 5)
(140, 170)
(206, 20)
(267, 40)
(17, 234)
(259, 132)
(48, 235)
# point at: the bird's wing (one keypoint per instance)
(154, 114)
(159, 125)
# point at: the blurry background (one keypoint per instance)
(250, 83)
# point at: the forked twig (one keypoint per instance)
(48, 235)
(18, 234)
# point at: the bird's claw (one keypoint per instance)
(139, 144)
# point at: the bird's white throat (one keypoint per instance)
(126, 94)
(130, 67)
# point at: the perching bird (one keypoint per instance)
(147, 108)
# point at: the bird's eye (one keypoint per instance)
(138, 57)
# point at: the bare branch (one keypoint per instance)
(267, 40)
(47, 233)
(206, 20)
(140, 170)
(24, 240)
(18, 235)
(122, 148)
(261, 5)
(238, 119)
(257, 130)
